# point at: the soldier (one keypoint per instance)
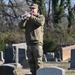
(34, 26)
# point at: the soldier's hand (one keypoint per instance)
(28, 15)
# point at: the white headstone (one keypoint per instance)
(50, 71)
(1, 56)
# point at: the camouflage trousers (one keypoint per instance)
(34, 53)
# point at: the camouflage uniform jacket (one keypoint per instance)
(34, 27)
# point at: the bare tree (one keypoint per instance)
(10, 12)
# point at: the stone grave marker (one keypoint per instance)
(50, 71)
(44, 58)
(7, 69)
(20, 51)
(9, 55)
(72, 60)
(23, 58)
(50, 56)
(22, 55)
(1, 56)
(15, 54)
(58, 56)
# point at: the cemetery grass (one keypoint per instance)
(64, 65)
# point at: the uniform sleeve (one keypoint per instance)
(40, 20)
(22, 24)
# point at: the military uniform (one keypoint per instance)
(34, 38)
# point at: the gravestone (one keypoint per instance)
(72, 60)
(22, 55)
(44, 58)
(50, 56)
(1, 56)
(9, 54)
(7, 69)
(15, 54)
(58, 56)
(50, 71)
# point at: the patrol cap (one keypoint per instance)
(34, 6)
